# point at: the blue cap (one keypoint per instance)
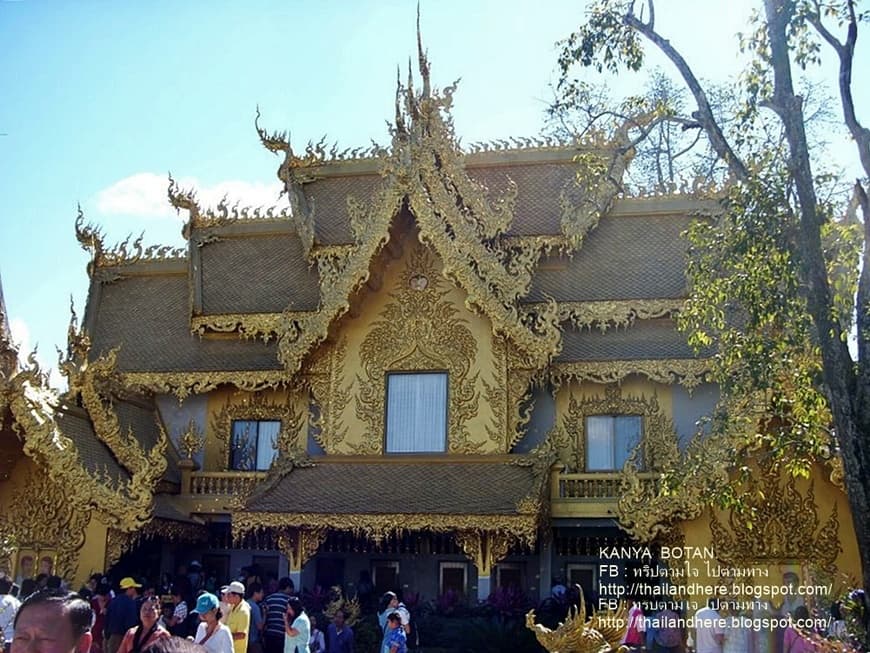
(206, 602)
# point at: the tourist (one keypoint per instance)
(238, 617)
(122, 613)
(8, 609)
(791, 601)
(99, 603)
(255, 634)
(141, 636)
(53, 621)
(316, 641)
(669, 633)
(634, 634)
(396, 639)
(838, 622)
(212, 634)
(195, 579)
(388, 605)
(737, 635)
(709, 629)
(297, 628)
(177, 621)
(339, 636)
(276, 607)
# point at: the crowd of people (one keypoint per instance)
(135, 617)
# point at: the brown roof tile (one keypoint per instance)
(400, 486)
(257, 274)
(148, 317)
(645, 339)
(95, 456)
(632, 257)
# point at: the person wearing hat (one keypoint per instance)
(122, 613)
(212, 634)
(239, 616)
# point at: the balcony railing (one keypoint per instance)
(224, 483)
(591, 494)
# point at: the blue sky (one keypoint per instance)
(101, 99)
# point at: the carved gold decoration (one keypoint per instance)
(658, 448)
(604, 315)
(192, 440)
(688, 372)
(601, 633)
(485, 549)
(207, 221)
(94, 382)
(350, 607)
(118, 542)
(781, 524)
(649, 511)
(184, 384)
(299, 545)
(90, 237)
(258, 407)
(377, 527)
(418, 330)
(466, 227)
(837, 476)
(324, 375)
(41, 516)
(125, 505)
(248, 325)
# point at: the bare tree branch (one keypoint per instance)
(705, 112)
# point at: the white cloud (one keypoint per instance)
(47, 361)
(21, 336)
(143, 195)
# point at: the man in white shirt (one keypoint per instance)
(709, 629)
(8, 609)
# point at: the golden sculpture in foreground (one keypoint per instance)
(601, 633)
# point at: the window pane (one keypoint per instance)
(627, 430)
(416, 412)
(599, 443)
(243, 445)
(267, 443)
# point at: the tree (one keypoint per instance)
(772, 276)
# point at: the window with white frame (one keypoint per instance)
(416, 412)
(453, 577)
(253, 444)
(610, 440)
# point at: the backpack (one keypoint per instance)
(670, 635)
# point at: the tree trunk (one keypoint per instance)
(850, 417)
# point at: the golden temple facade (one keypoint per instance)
(453, 369)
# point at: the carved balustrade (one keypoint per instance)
(590, 494)
(224, 483)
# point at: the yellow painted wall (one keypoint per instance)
(26, 478)
(698, 534)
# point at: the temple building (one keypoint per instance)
(453, 369)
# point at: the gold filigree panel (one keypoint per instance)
(40, 515)
(658, 448)
(781, 524)
(419, 330)
(688, 372)
(377, 527)
(324, 375)
(257, 407)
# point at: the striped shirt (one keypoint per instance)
(275, 606)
